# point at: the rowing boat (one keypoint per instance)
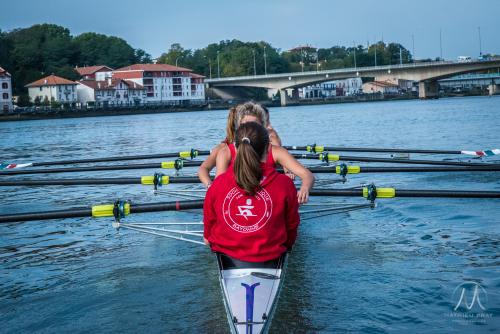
(251, 292)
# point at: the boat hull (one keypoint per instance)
(250, 293)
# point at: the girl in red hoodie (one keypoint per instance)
(251, 211)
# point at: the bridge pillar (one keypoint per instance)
(493, 89)
(284, 97)
(428, 90)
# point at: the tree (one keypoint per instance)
(99, 49)
(176, 54)
(142, 57)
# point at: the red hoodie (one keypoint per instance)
(251, 228)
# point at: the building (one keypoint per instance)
(52, 89)
(5, 91)
(98, 72)
(328, 89)
(110, 92)
(465, 82)
(403, 84)
(383, 87)
(165, 83)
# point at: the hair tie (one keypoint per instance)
(245, 140)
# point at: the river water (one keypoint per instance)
(398, 267)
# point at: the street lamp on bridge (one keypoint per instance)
(254, 67)
(265, 61)
(218, 64)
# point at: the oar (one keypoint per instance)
(392, 192)
(319, 149)
(177, 164)
(120, 209)
(159, 179)
(328, 157)
(343, 169)
(184, 154)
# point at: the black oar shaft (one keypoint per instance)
(396, 161)
(93, 168)
(167, 206)
(57, 214)
(115, 158)
(87, 212)
(403, 169)
(374, 150)
(91, 181)
(410, 193)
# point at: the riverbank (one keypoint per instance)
(158, 109)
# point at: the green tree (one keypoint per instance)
(176, 54)
(99, 49)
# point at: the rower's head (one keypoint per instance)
(266, 112)
(252, 142)
(230, 128)
(250, 112)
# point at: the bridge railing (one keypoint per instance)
(354, 70)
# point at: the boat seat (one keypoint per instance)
(227, 262)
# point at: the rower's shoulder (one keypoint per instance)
(219, 147)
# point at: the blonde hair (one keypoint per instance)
(231, 126)
(250, 109)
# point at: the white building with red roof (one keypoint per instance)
(165, 83)
(113, 91)
(97, 72)
(52, 88)
(384, 87)
(5, 91)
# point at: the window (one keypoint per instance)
(5, 85)
(40, 88)
(5, 96)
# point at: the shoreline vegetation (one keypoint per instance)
(49, 113)
(29, 54)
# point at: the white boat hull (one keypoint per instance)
(251, 295)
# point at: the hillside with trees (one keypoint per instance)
(42, 49)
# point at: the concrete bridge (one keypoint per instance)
(426, 74)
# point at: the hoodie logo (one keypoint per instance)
(245, 210)
(247, 214)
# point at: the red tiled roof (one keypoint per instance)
(105, 85)
(154, 68)
(92, 69)
(51, 80)
(4, 72)
(194, 75)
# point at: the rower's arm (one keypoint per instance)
(288, 162)
(209, 215)
(222, 161)
(292, 215)
(274, 138)
(207, 166)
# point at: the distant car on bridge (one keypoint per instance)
(464, 59)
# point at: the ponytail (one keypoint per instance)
(231, 126)
(252, 141)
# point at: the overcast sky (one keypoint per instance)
(153, 25)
